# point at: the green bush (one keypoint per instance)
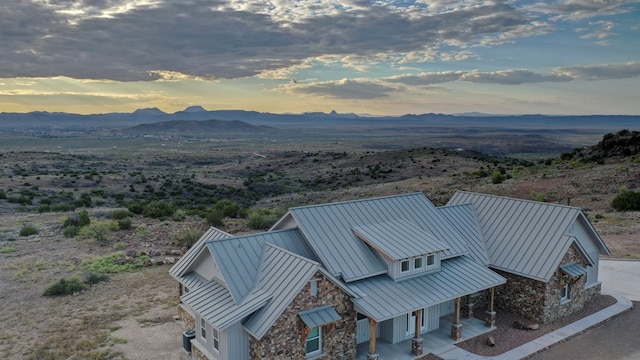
(215, 217)
(186, 238)
(260, 219)
(627, 200)
(71, 231)
(79, 219)
(65, 287)
(497, 177)
(3, 195)
(119, 214)
(99, 230)
(93, 278)
(125, 224)
(28, 230)
(158, 210)
(229, 208)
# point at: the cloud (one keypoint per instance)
(342, 89)
(513, 77)
(142, 40)
(603, 72)
(581, 9)
(425, 79)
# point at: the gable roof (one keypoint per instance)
(399, 239)
(524, 237)
(238, 258)
(182, 266)
(284, 274)
(327, 227)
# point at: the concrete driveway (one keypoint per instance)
(620, 277)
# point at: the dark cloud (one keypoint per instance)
(187, 36)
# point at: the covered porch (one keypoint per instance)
(436, 342)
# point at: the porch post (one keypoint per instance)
(372, 340)
(416, 342)
(456, 327)
(468, 307)
(490, 315)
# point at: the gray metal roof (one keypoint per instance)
(192, 280)
(463, 218)
(283, 274)
(214, 303)
(399, 239)
(319, 316)
(382, 298)
(522, 237)
(573, 269)
(328, 229)
(182, 266)
(238, 258)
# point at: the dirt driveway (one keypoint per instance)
(616, 339)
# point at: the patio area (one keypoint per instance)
(436, 342)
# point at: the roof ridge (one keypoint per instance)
(288, 252)
(256, 234)
(360, 200)
(515, 199)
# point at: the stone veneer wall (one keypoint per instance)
(540, 302)
(186, 317)
(284, 340)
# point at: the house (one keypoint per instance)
(547, 252)
(328, 277)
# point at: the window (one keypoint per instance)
(203, 328)
(564, 293)
(314, 341)
(404, 266)
(431, 259)
(417, 263)
(313, 286)
(215, 339)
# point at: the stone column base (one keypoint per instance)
(490, 318)
(456, 331)
(372, 356)
(416, 346)
(467, 311)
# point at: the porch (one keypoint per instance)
(436, 341)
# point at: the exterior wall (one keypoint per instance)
(284, 339)
(585, 238)
(541, 302)
(394, 267)
(187, 317)
(205, 266)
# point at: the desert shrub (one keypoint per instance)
(119, 214)
(214, 217)
(71, 231)
(28, 230)
(79, 219)
(99, 230)
(124, 224)
(229, 208)
(158, 210)
(187, 238)
(135, 207)
(92, 278)
(7, 250)
(44, 208)
(113, 264)
(63, 206)
(627, 200)
(65, 287)
(261, 219)
(3, 195)
(497, 177)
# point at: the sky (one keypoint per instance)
(379, 57)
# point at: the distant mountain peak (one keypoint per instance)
(194, 109)
(333, 112)
(149, 111)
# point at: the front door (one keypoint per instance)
(411, 323)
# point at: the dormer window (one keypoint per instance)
(417, 262)
(404, 266)
(431, 260)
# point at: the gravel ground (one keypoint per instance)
(507, 337)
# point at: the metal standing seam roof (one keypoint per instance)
(214, 303)
(319, 316)
(399, 239)
(573, 269)
(238, 258)
(463, 218)
(284, 274)
(192, 280)
(182, 265)
(328, 227)
(522, 237)
(383, 298)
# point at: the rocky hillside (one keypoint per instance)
(622, 144)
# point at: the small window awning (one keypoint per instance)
(319, 316)
(573, 269)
